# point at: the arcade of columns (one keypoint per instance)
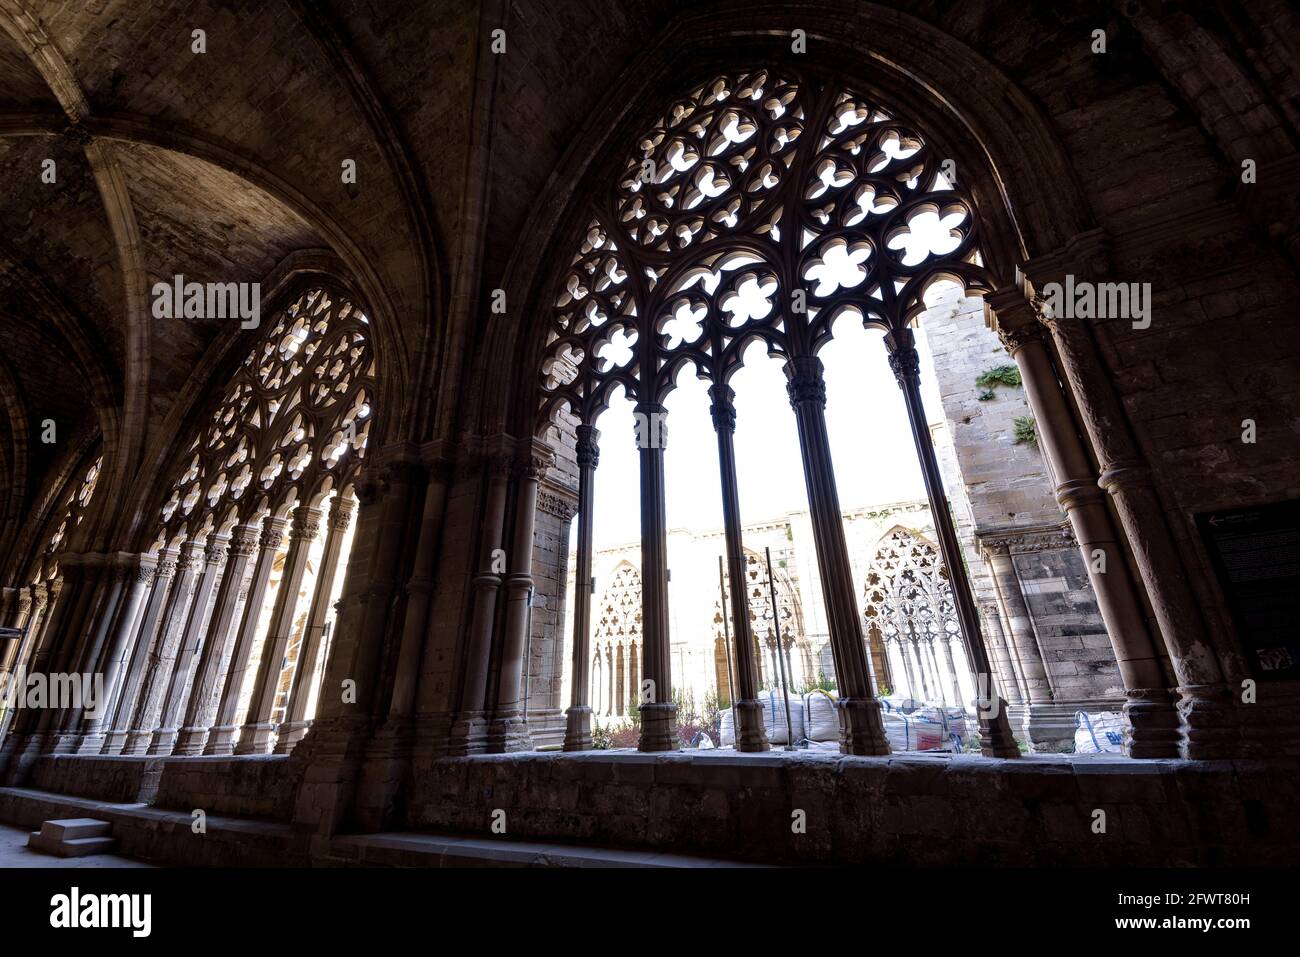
(176, 653)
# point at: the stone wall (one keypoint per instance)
(122, 780)
(906, 810)
(546, 658)
(1076, 649)
(261, 786)
(1006, 487)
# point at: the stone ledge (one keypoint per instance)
(914, 810)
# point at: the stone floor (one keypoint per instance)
(14, 853)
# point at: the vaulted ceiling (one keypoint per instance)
(219, 165)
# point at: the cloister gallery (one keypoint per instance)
(389, 442)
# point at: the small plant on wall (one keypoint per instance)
(1007, 375)
(1025, 431)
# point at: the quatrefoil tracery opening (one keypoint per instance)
(756, 201)
(296, 414)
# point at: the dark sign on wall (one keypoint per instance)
(1256, 556)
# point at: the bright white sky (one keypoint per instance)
(871, 442)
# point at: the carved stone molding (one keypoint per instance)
(561, 506)
(1031, 538)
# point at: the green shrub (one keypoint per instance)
(998, 375)
(1025, 431)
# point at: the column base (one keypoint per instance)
(751, 737)
(189, 741)
(256, 738)
(291, 732)
(468, 735)
(1210, 728)
(93, 743)
(164, 740)
(507, 733)
(65, 742)
(1153, 724)
(577, 729)
(862, 730)
(658, 728)
(21, 759)
(137, 742)
(114, 742)
(996, 739)
(221, 741)
(379, 792)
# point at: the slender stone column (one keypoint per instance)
(1205, 699)
(419, 593)
(32, 619)
(140, 573)
(995, 728)
(1150, 710)
(258, 728)
(187, 651)
(922, 672)
(954, 683)
(1006, 583)
(861, 727)
(30, 605)
(221, 738)
(103, 586)
(146, 635)
(658, 712)
(933, 658)
(469, 731)
(296, 723)
(18, 603)
(878, 658)
(162, 656)
(577, 731)
(747, 710)
(1008, 679)
(225, 607)
(509, 728)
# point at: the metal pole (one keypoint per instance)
(780, 653)
(726, 642)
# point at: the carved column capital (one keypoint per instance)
(191, 555)
(534, 458)
(214, 552)
(723, 408)
(904, 360)
(805, 381)
(273, 530)
(588, 446)
(306, 523)
(243, 540)
(341, 512)
(1011, 314)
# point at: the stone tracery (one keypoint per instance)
(761, 206)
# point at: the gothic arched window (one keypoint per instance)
(908, 601)
(763, 624)
(231, 641)
(296, 414)
(73, 510)
(617, 635)
(760, 205)
(758, 208)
